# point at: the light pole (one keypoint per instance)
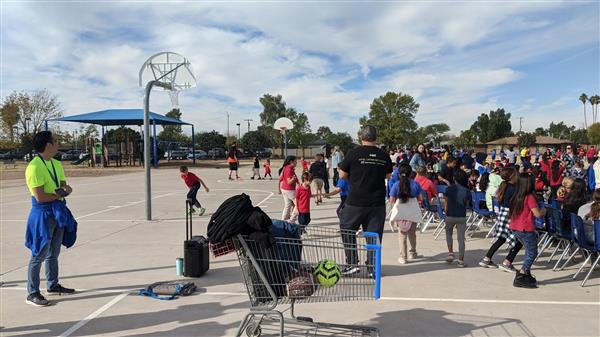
(27, 120)
(75, 139)
(239, 131)
(15, 132)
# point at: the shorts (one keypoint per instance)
(303, 219)
(233, 166)
(256, 170)
(316, 185)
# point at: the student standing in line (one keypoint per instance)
(287, 186)
(502, 233)
(342, 189)
(523, 208)
(303, 194)
(406, 212)
(457, 198)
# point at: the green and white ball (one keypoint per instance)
(327, 273)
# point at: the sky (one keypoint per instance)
(327, 59)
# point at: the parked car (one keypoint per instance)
(176, 154)
(12, 154)
(199, 155)
(247, 153)
(216, 153)
(263, 153)
(71, 155)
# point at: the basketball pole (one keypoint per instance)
(147, 164)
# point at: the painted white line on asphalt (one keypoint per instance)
(265, 199)
(81, 291)
(117, 207)
(93, 315)
(28, 201)
(406, 299)
(468, 300)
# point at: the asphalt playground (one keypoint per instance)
(118, 252)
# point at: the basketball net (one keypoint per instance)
(174, 96)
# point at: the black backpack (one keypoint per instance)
(230, 218)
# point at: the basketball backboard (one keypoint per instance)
(172, 70)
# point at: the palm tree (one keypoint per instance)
(595, 106)
(583, 98)
(593, 102)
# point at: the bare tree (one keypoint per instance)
(38, 107)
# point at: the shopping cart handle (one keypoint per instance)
(377, 248)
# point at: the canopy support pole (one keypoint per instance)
(103, 154)
(154, 143)
(46, 125)
(193, 146)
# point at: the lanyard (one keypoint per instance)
(54, 176)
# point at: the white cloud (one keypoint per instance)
(450, 56)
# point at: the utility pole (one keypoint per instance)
(248, 120)
(228, 125)
(520, 124)
(239, 131)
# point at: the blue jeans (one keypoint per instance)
(49, 254)
(529, 241)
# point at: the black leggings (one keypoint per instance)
(511, 254)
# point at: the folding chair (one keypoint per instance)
(480, 214)
(442, 218)
(496, 207)
(428, 211)
(596, 249)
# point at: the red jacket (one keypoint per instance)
(556, 181)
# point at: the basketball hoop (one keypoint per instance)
(170, 72)
(284, 124)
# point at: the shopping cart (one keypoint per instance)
(270, 276)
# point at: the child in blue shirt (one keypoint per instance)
(405, 211)
(342, 188)
(457, 196)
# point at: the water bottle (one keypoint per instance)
(179, 266)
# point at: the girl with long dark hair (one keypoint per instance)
(419, 157)
(501, 231)
(575, 198)
(287, 185)
(523, 208)
(555, 177)
(406, 212)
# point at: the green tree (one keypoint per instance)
(341, 139)
(323, 132)
(273, 109)
(594, 134)
(301, 133)
(579, 136)
(466, 138)
(432, 133)
(540, 131)
(173, 132)
(560, 130)
(526, 139)
(492, 126)
(393, 114)
(584, 98)
(10, 114)
(256, 140)
(210, 140)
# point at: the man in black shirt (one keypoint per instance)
(366, 168)
(446, 175)
(318, 169)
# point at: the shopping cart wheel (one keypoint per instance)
(253, 330)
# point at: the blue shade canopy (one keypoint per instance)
(120, 117)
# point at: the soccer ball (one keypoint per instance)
(327, 273)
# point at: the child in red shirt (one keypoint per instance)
(305, 164)
(268, 169)
(523, 208)
(193, 183)
(303, 195)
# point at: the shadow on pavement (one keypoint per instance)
(183, 315)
